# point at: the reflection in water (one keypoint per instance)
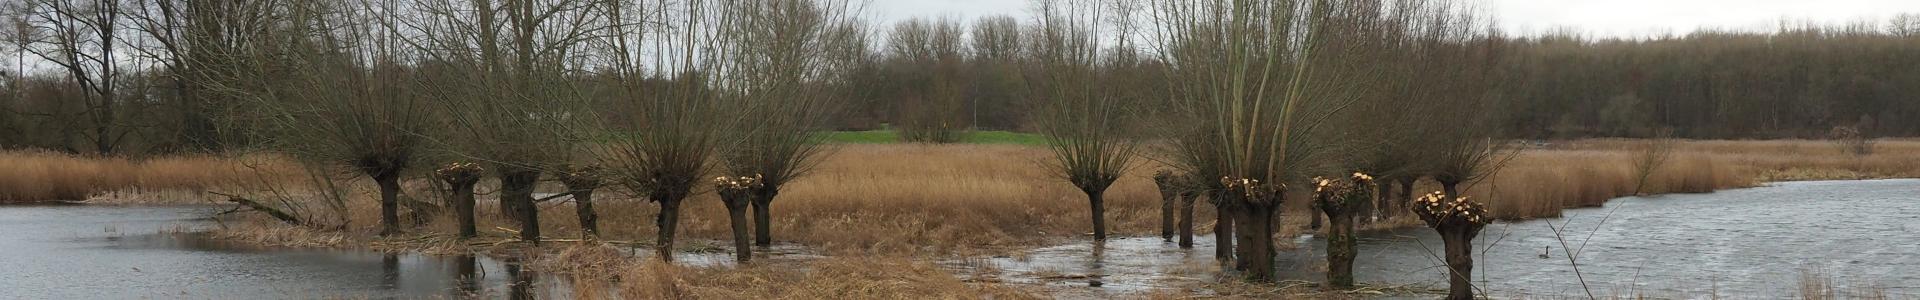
(64, 253)
(466, 281)
(1746, 243)
(1115, 268)
(521, 288)
(1096, 267)
(390, 271)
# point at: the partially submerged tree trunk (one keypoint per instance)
(737, 193)
(1342, 200)
(763, 216)
(668, 219)
(516, 192)
(1458, 221)
(1096, 199)
(1186, 219)
(1257, 258)
(1258, 203)
(1223, 236)
(1341, 250)
(1169, 195)
(1459, 244)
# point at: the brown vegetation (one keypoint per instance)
(48, 176)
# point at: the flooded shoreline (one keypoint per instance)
(1759, 242)
(77, 252)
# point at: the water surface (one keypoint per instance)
(118, 252)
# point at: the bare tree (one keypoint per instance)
(1459, 72)
(785, 61)
(1078, 112)
(193, 41)
(680, 122)
(1336, 198)
(505, 86)
(326, 86)
(1253, 70)
(82, 39)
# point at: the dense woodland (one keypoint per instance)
(121, 76)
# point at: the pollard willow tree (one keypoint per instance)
(784, 64)
(1339, 198)
(325, 86)
(1255, 72)
(500, 73)
(1080, 114)
(1458, 70)
(680, 123)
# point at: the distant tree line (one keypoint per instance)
(107, 76)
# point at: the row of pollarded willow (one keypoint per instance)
(503, 88)
(1283, 90)
(1264, 79)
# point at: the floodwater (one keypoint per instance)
(1748, 243)
(102, 252)
(1862, 236)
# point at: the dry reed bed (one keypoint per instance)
(46, 176)
(961, 199)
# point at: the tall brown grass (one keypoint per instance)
(961, 199)
(27, 176)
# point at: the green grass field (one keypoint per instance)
(974, 137)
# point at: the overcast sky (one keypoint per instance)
(1599, 17)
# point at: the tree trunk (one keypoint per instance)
(1186, 220)
(1223, 229)
(1406, 193)
(1340, 249)
(763, 216)
(737, 212)
(516, 191)
(463, 207)
(1315, 224)
(1095, 199)
(583, 207)
(667, 221)
(1167, 201)
(1244, 223)
(389, 182)
(1259, 253)
(1383, 199)
(1459, 245)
